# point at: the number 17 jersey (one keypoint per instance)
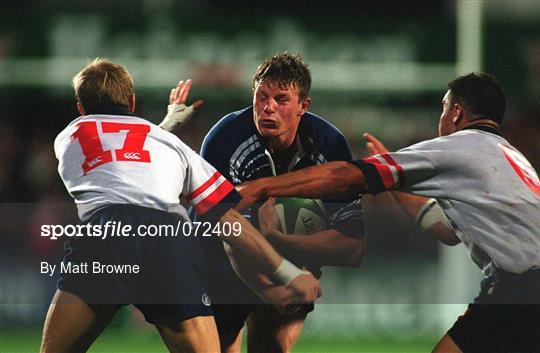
(123, 159)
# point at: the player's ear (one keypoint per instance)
(458, 113)
(304, 105)
(80, 108)
(131, 107)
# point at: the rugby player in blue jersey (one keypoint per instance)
(275, 135)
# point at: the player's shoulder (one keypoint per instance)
(320, 127)
(234, 126)
(467, 139)
(477, 135)
(326, 138)
(64, 137)
(232, 121)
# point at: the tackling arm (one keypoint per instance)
(326, 181)
(250, 245)
(261, 284)
(254, 259)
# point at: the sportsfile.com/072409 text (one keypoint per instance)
(117, 229)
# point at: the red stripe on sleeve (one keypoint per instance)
(384, 171)
(393, 163)
(203, 187)
(214, 198)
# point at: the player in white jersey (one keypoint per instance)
(125, 171)
(487, 196)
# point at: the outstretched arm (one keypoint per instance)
(326, 181)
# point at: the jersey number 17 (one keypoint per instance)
(132, 150)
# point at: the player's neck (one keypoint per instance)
(280, 143)
(109, 109)
(486, 122)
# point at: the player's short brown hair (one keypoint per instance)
(103, 82)
(286, 70)
(481, 93)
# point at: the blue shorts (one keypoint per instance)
(170, 283)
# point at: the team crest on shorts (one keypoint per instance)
(206, 299)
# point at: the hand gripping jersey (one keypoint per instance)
(235, 148)
(122, 159)
(486, 188)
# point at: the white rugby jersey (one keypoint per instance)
(119, 159)
(486, 187)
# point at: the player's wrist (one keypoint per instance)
(262, 189)
(285, 273)
(177, 115)
(276, 234)
(429, 215)
(271, 234)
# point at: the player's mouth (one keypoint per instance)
(267, 123)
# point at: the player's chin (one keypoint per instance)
(269, 132)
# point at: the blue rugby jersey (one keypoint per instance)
(236, 149)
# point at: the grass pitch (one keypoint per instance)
(116, 340)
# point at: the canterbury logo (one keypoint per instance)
(94, 162)
(206, 300)
(132, 155)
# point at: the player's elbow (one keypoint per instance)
(450, 241)
(356, 256)
(355, 261)
(444, 234)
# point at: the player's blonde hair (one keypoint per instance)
(103, 82)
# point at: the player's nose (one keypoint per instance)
(270, 106)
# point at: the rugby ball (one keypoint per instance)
(301, 216)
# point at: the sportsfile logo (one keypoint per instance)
(119, 229)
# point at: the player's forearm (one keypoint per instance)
(329, 180)
(251, 246)
(444, 234)
(412, 205)
(257, 282)
(325, 248)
